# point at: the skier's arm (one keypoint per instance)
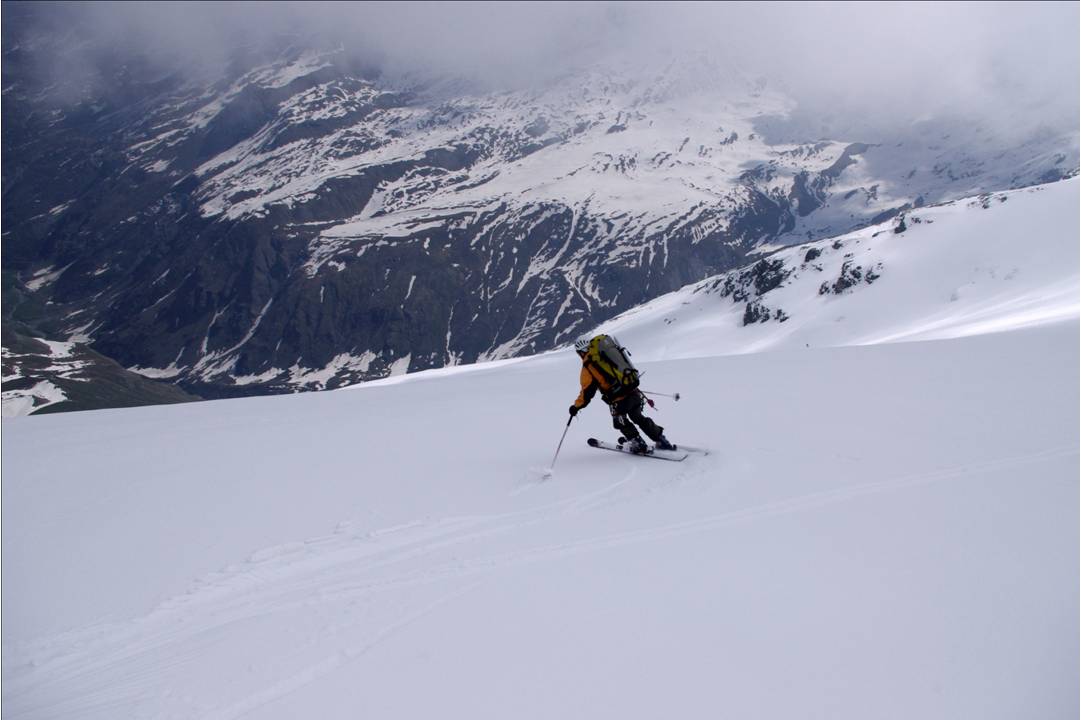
(589, 389)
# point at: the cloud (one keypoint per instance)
(890, 63)
(872, 63)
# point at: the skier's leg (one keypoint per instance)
(629, 437)
(621, 423)
(650, 428)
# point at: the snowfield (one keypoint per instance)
(883, 529)
(986, 264)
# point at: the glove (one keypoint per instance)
(574, 410)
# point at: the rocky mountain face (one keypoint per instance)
(304, 222)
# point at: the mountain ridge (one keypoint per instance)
(305, 225)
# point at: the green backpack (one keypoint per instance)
(614, 362)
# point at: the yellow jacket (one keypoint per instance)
(592, 380)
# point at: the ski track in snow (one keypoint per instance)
(318, 575)
(328, 569)
(331, 664)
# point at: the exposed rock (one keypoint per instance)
(755, 312)
(850, 276)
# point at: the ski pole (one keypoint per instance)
(674, 397)
(561, 442)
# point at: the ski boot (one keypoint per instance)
(663, 444)
(638, 446)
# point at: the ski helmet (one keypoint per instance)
(581, 345)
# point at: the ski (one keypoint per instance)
(673, 455)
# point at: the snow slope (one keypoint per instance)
(978, 265)
(883, 529)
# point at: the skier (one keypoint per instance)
(605, 367)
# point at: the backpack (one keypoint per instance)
(613, 360)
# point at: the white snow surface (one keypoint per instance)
(993, 263)
(46, 276)
(882, 529)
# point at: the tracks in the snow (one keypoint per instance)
(346, 593)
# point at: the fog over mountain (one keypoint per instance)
(876, 64)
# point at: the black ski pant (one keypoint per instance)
(628, 412)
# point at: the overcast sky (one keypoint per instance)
(896, 61)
